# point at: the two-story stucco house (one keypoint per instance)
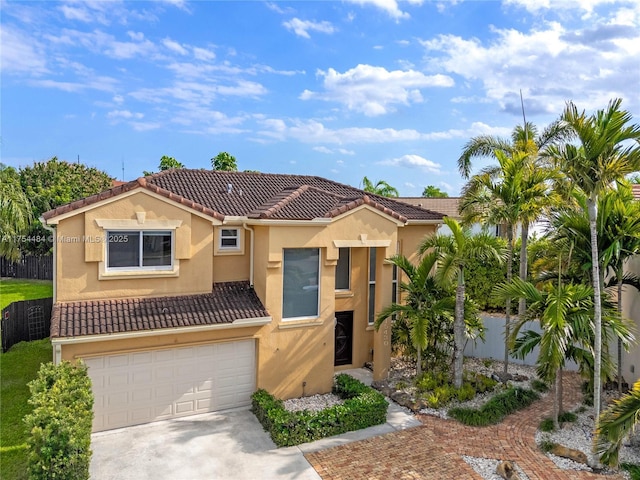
(186, 290)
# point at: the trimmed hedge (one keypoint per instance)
(495, 409)
(60, 424)
(363, 407)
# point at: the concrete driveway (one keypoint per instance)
(228, 445)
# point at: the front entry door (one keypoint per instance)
(344, 338)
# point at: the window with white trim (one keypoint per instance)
(343, 269)
(300, 282)
(140, 249)
(372, 285)
(229, 239)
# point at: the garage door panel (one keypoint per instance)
(142, 387)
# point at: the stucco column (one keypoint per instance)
(382, 337)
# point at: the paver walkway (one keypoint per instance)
(434, 450)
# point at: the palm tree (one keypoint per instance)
(607, 150)
(524, 140)
(565, 313)
(427, 306)
(15, 213)
(513, 193)
(615, 424)
(381, 188)
(454, 252)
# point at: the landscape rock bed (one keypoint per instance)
(314, 403)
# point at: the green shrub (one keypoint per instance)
(60, 424)
(466, 392)
(539, 386)
(495, 409)
(547, 445)
(363, 407)
(567, 417)
(480, 383)
(547, 425)
(429, 381)
(633, 469)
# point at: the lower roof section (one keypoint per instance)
(228, 302)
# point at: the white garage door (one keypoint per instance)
(146, 386)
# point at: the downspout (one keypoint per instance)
(57, 349)
(244, 225)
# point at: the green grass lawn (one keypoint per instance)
(17, 368)
(14, 290)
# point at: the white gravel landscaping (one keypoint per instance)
(486, 467)
(313, 403)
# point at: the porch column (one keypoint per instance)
(382, 337)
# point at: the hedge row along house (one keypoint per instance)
(186, 290)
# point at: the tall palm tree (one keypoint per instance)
(515, 192)
(607, 149)
(427, 306)
(525, 139)
(15, 213)
(454, 252)
(381, 188)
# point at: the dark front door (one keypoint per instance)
(344, 338)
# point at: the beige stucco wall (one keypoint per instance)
(294, 357)
(231, 266)
(631, 310)
(79, 253)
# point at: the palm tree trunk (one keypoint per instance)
(419, 361)
(458, 331)
(557, 392)
(620, 274)
(592, 207)
(507, 320)
(560, 395)
(522, 303)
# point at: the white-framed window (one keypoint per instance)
(229, 239)
(300, 283)
(372, 286)
(140, 249)
(343, 269)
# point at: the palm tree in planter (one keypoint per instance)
(607, 149)
(426, 312)
(453, 253)
(565, 313)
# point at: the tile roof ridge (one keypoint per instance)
(279, 201)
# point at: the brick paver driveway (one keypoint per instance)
(434, 450)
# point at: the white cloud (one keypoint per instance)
(414, 161)
(21, 54)
(203, 54)
(302, 27)
(391, 7)
(174, 46)
(126, 114)
(549, 63)
(375, 90)
(535, 6)
(323, 150)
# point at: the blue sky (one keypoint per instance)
(341, 89)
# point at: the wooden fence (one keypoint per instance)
(25, 321)
(29, 266)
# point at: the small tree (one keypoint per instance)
(431, 191)
(224, 161)
(166, 163)
(381, 188)
(15, 213)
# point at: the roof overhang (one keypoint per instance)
(105, 337)
(140, 189)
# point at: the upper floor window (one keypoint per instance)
(145, 249)
(229, 239)
(300, 282)
(372, 286)
(343, 269)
